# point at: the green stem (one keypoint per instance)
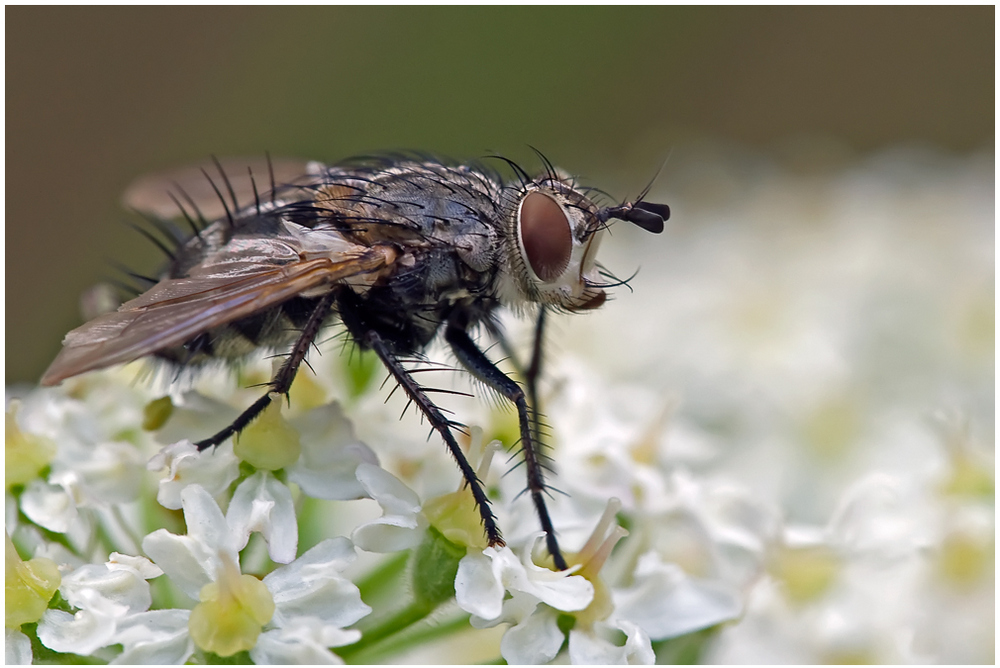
(376, 581)
(395, 623)
(395, 644)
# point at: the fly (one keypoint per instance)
(397, 249)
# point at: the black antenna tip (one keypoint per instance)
(646, 215)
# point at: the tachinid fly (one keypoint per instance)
(398, 249)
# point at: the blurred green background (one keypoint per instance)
(99, 96)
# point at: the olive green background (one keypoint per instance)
(98, 96)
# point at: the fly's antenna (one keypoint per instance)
(646, 215)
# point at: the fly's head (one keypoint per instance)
(552, 233)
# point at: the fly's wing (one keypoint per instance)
(176, 310)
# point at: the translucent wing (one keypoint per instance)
(175, 310)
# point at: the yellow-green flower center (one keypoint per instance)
(269, 442)
(28, 587)
(25, 454)
(232, 612)
(455, 514)
(807, 572)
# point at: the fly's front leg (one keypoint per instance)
(532, 372)
(482, 368)
(282, 381)
(443, 426)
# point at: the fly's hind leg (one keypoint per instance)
(479, 365)
(442, 425)
(282, 381)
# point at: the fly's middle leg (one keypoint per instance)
(282, 381)
(442, 425)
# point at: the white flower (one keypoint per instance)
(210, 546)
(599, 646)
(53, 507)
(214, 469)
(404, 521)
(307, 642)
(263, 503)
(238, 611)
(330, 455)
(105, 596)
(875, 583)
(313, 603)
(497, 587)
(155, 637)
(666, 602)
(484, 579)
(402, 524)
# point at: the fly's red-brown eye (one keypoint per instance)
(545, 236)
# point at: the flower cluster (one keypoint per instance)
(775, 451)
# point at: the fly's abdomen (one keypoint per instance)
(277, 327)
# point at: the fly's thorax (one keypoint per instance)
(552, 233)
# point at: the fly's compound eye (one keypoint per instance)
(545, 236)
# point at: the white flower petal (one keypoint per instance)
(142, 566)
(402, 525)
(187, 562)
(589, 649)
(312, 586)
(535, 640)
(155, 637)
(638, 646)
(86, 631)
(213, 468)
(666, 602)
(483, 592)
(123, 587)
(263, 503)
(477, 590)
(304, 644)
(111, 472)
(330, 455)
(205, 522)
(390, 493)
(389, 534)
(49, 506)
(192, 561)
(16, 648)
(559, 590)
(516, 608)
(596, 646)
